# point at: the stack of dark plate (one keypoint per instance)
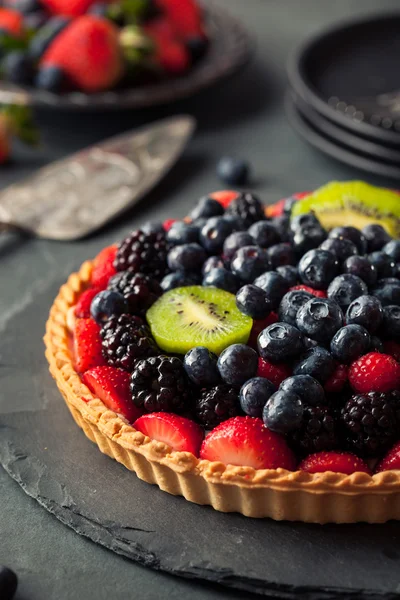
(344, 94)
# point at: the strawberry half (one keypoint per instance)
(87, 345)
(275, 372)
(82, 307)
(111, 385)
(103, 267)
(246, 442)
(391, 461)
(183, 435)
(338, 462)
(310, 290)
(224, 197)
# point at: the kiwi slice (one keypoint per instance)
(197, 316)
(353, 203)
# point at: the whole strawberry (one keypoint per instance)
(184, 16)
(11, 21)
(70, 8)
(89, 54)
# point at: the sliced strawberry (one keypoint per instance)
(392, 348)
(258, 327)
(337, 380)
(246, 442)
(183, 435)
(111, 385)
(224, 197)
(87, 345)
(103, 267)
(391, 461)
(82, 307)
(168, 224)
(338, 462)
(275, 372)
(310, 290)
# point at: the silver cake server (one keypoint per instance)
(74, 196)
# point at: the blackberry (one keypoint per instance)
(140, 291)
(159, 383)
(247, 207)
(143, 253)
(216, 405)
(125, 339)
(317, 431)
(370, 422)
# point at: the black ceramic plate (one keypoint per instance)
(333, 148)
(350, 74)
(230, 48)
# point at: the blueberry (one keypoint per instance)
(280, 341)
(316, 362)
(361, 267)
(376, 237)
(392, 249)
(353, 234)
(182, 233)
(305, 220)
(282, 224)
(307, 237)
(233, 171)
(201, 367)
(290, 304)
(254, 395)
(188, 257)
(385, 265)
(152, 227)
(8, 583)
(235, 222)
(197, 47)
(391, 322)
(274, 285)
(223, 279)
(309, 390)
(289, 273)
(346, 288)
(45, 35)
(179, 279)
(349, 343)
(365, 311)
(249, 262)
(317, 268)
(283, 412)
(319, 319)
(206, 208)
(387, 291)
(234, 241)
(237, 364)
(50, 78)
(107, 303)
(264, 234)
(340, 247)
(253, 301)
(17, 68)
(309, 343)
(214, 262)
(376, 344)
(281, 254)
(214, 234)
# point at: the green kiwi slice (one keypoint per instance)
(197, 316)
(353, 203)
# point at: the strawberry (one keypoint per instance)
(87, 345)
(391, 461)
(183, 435)
(258, 326)
(337, 380)
(392, 348)
(170, 53)
(375, 372)
(82, 307)
(103, 267)
(276, 210)
(338, 462)
(246, 442)
(185, 17)
(275, 372)
(88, 52)
(11, 21)
(310, 290)
(168, 224)
(68, 8)
(224, 197)
(111, 385)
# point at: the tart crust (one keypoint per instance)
(275, 493)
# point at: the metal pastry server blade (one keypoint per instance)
(73, 197)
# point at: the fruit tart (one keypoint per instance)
(246, 357)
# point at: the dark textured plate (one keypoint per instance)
(230, 48)
(333, 148)
(349, 74)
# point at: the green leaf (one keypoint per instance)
(128, 11)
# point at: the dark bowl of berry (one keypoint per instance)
(84, 54)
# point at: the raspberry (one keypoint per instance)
(310, 290)
(375, 372)
(143, 253)
(140, 291)
(247, 207)
(159, 384)
(317, 432)
(275, 372)
(216, 405)
(125, 340)
(370, 422)
(337, 380)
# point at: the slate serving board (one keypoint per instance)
(46, 453)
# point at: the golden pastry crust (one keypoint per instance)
(276, 493)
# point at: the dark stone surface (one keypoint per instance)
(65, 471)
